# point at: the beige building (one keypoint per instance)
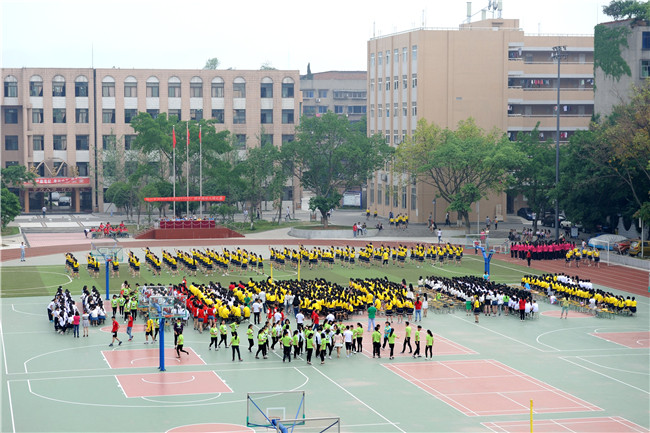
(55, 120)
(341, 92)
(489, 70)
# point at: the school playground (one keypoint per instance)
(582, 374)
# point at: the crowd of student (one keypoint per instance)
(63, 312)
(107, 230)
(559, 287)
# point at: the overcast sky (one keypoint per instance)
(245, 34)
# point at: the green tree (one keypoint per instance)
(212, 63)
(463, 165)
(122, 195)
(628, 9)
(14, 177)
(9, 206)
(331, 155)
(267, 66)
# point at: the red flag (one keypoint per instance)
(174, 136)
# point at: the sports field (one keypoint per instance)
(583, 374)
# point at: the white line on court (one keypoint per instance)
(612, 368)
(193, 401)
(506, 336)
(4, 352)
(11, 408)
(566, 358)
(24, 312)
(357, 399)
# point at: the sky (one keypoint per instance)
(245, 34)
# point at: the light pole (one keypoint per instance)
(558, 54)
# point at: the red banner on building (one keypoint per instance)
(193, 198)
(60, 181)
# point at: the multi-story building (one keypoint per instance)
(55, 120)
(488, 70)
(611, 91)
(342, 92)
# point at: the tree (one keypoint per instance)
(266, 66)
(309, 75)
(122, 195)
(331, 155)
(9, 206)
(463, 165)
(628, 9)
(212, 63)
(258, 169)
(534, 178)
(14, 176)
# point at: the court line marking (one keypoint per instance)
(168, 383)
(4, 350)
(357, 399)
(193, 401)
(23, 289)
(566, 358)
(11, 408)
(612, 368)
(24, 312)
(596, 331)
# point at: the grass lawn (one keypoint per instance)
(18, 281)
(10, 231)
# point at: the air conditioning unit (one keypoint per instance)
(318, 101)
(384, 177)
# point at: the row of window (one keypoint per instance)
(337, 94)
(338, 109)
(397, 139)
(384, 194)
(59, 169)
(380, 109)
(396, 56)
(414, 82)
(152, 89)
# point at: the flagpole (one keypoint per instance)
(200, 173)
(174, 169)
(187, 160)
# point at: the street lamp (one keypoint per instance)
(557, 54)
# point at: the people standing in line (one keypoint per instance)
(114, 329)
(22, 251)
(180, 340)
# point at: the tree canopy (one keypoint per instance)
(628, 9)
(212, 63)
(463, 165)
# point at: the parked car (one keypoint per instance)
(549, 220)
(623, 246)
(605, 242)
(65, 201)
(636, 245)
(527, 213)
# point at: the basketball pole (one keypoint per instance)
(531, 416)
(107, 262)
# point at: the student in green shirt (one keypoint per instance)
(391, 342)
(407, 338)
(428, 349)
(179, 346)
(310, 345)
(214, 337)
(234, 343)
(416, 354)
(261, 343)
(376, 342)
(223, 330)
(251, 340)
(359, 338)
(286, 346)
(323, 347)
(296, 344)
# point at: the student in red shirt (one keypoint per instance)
(116, 327)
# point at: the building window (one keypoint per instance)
(11, 142)
(387, 195)
(645, 68)
(217, 90)
(81, 142)
(129, 114)
(266, 140)
(287, 117)
(372, 84)
(239, 90)
(404, 109)
(60, 142)
(266, 117)
(11, 89)
(108, 115)
(240, 141)
(58, 115)
(174, 90)
(108, 142)
(128, 141)
(217, 115)
(196, 114)
(371, 193)
(338, 109)
(388, 58)
(379, 58)
(395, 82)
(414, 80)
(372, 110)
(82, 169)
(38, 142)
(130, 90)
(60, 169)
(308, 110)
(380, 110)
(387, 136)
(287, 138)
(403, 135)
(287, 90)
(153, 112)
(81, 89)
(153, 90)
(414, 197)
(387, 110)
(395, 197)
(11, 115)
(196, 90)
(58, 88)
(379, 83)
(414, 53)
(405, 54)
(379, 194)
(322, 93)
(307, 94)
(414, 108)
(645, 41)
(403, 197)
(81, 115)
(395, 137)
(11, 163)
(372, 60)
(36, 88)
(176, 113)
(266, 90)
(108, 90)
(387, 83)
(238, 116)
(396, 55)
(322, 109)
